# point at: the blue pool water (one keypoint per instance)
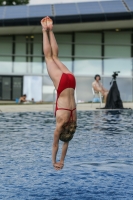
(99, 163)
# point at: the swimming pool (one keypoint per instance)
(98, 165)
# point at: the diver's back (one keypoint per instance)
(65, 91)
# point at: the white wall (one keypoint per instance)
(32, 87)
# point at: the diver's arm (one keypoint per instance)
(55, 145)
(64, 151)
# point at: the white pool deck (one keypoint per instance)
(49, 107)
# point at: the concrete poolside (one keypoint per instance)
(49, 107)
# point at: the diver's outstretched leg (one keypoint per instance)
(54, 47)
(53, 70)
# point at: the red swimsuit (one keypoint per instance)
(66, 81)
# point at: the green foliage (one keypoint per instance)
(13, 2)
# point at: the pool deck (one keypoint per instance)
(49, 107)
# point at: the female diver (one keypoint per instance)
(65, 83)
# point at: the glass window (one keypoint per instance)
(6, 88)
(20, 65)
(92, 38)
(16, 87)
(37, 49)
(37, 45)
(37, 65)
(84, 88)
(63, 38)
(29, 65)
(45, 71)
(87, 66)
(20, 45)
(5, 45)
(5, 65)
(118, 51)
(117, 37)
(64, 49)
(125, 87)
(91, 50)
(88, 50)
(112, 42)
(48, 89)
(122, 65)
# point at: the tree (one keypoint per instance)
(13, 2)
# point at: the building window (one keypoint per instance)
(37, 56)
(5, 64)
(118, 53)
(87, 66)
(87, 54)
(124, 65)
(5, 54)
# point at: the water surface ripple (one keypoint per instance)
(99, 163)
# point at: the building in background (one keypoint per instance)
(93, 37)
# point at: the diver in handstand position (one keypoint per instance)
(65, 83)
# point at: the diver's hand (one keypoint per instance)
(58, 165)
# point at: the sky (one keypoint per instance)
(57, 1)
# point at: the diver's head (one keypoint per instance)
(68, 130)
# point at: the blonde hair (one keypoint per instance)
(68, 130)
